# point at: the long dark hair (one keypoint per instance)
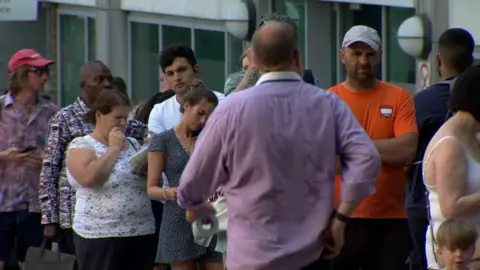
(143, 112)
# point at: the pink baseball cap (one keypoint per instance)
(27, 57)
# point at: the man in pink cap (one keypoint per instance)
(24, 117)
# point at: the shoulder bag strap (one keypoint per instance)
(132, 144)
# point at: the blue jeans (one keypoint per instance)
(22, 226)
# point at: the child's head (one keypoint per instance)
(456, 243)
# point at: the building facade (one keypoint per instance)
(129, 34)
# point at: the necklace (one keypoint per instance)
(187, 144)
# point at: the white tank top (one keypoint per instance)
(472, 185)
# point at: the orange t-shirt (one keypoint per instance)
(385, 112)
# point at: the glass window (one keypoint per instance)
(92, 40)
(144, 56)
(295, 9)
(210, 52)
(236, 52)
(72, 56)
(334, 45)
(176, 35)
(400, 66)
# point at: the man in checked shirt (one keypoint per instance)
(57, 198)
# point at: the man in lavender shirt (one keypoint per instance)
(272, 148)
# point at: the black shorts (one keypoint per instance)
(375, 244)
(119, 253)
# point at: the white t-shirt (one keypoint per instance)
(120, 207)
(167, 115)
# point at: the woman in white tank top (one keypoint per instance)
(451, 165)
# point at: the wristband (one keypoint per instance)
(164, 194)
(340, 217)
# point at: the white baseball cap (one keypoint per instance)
(364, 34)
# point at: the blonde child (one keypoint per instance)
(456, 244)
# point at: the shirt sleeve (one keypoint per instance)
(155, 120)
(158, 143)
(56, 144)
(232, 82)
(405, 121)
(206, 171)
(360, 160)
(136, 130)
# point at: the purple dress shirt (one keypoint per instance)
(273, 149)
(18, 182)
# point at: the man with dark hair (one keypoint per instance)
(455, 55)
(181, 70)
(273, 152)
(57, 197)
(246, 78)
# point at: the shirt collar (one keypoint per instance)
(10, 100)
(81, 104)
(278, 75)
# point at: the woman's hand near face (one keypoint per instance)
(116, 138)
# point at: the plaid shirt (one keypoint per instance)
(57, 198)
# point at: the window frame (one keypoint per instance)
(176, 21)
(145, 20)
(70, 11)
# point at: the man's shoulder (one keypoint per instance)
(51, 106)
(433, 91)
(161, 105)
(393, 89)
(67, 111)
(335, 89)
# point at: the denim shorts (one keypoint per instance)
(20, 227)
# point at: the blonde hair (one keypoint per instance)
(18, 79)
(456, 234)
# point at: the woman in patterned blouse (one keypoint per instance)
(113, 222)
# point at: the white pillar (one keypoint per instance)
(112, 37)
(437, 11)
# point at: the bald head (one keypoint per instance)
(275, 45)
(95, 76)
(92, 69)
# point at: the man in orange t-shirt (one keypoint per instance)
(377, 236)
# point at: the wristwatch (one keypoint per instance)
(341, 217)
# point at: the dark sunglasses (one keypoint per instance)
(41, 71)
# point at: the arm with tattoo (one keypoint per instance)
(250, 79)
